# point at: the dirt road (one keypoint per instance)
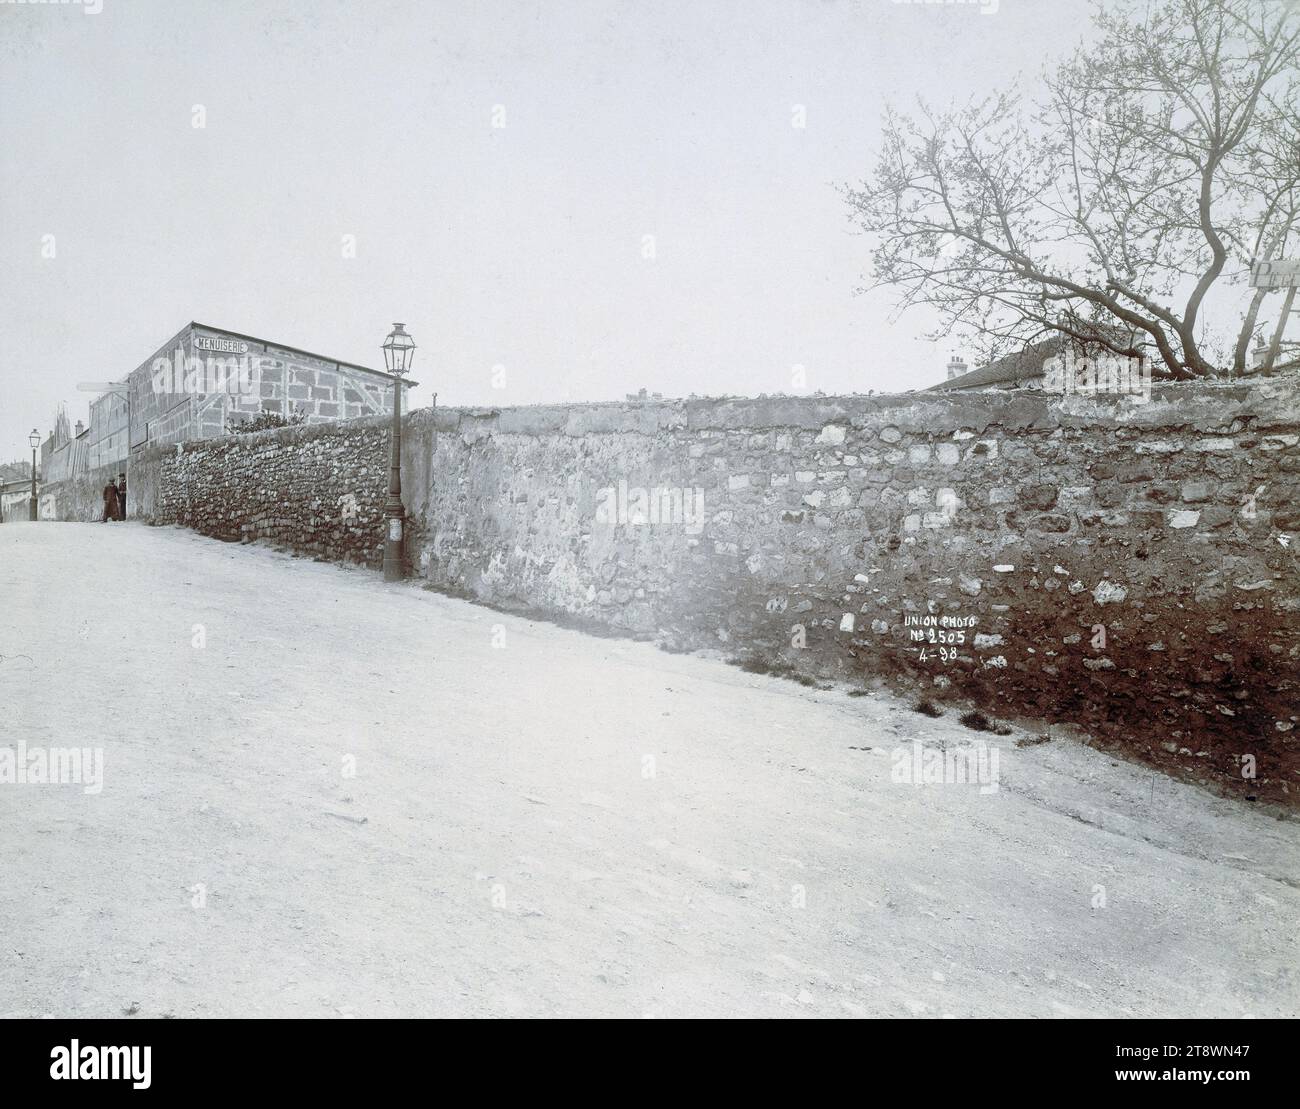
(325, 796)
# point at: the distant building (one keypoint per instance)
(1021, 370)
(1288, 357)
(204, 381)
(15, 498)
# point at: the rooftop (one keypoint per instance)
(295, 350)
(1022, 366)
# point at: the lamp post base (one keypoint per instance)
(31, 510)
(393, 546)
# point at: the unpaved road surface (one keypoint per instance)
(325, 796)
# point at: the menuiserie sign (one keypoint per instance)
(221, 346)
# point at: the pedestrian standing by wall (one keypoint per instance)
(121, 496)
(110, 502)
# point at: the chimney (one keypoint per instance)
(80, 428)
(956, 367)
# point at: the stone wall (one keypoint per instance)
(15, 506)
(81, 497)
(144, 482)
(1110, 564)
(315, 489)
(1102, 563)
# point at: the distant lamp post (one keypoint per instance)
(35, 439)
(398, 350)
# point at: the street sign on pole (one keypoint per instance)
(1275, 274)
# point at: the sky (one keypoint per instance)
(566, 201)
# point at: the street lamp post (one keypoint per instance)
(398, 349)
(35, 439)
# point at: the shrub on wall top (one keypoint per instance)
(263, 421)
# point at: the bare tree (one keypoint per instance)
(1155, 161)
(1270, 192)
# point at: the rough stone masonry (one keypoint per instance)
(1127, 568)
(317, 489)
(1113, 565)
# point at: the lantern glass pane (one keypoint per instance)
(398, 347)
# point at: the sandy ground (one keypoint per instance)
(367, 800)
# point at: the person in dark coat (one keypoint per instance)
(110, 502)
(121, 496)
